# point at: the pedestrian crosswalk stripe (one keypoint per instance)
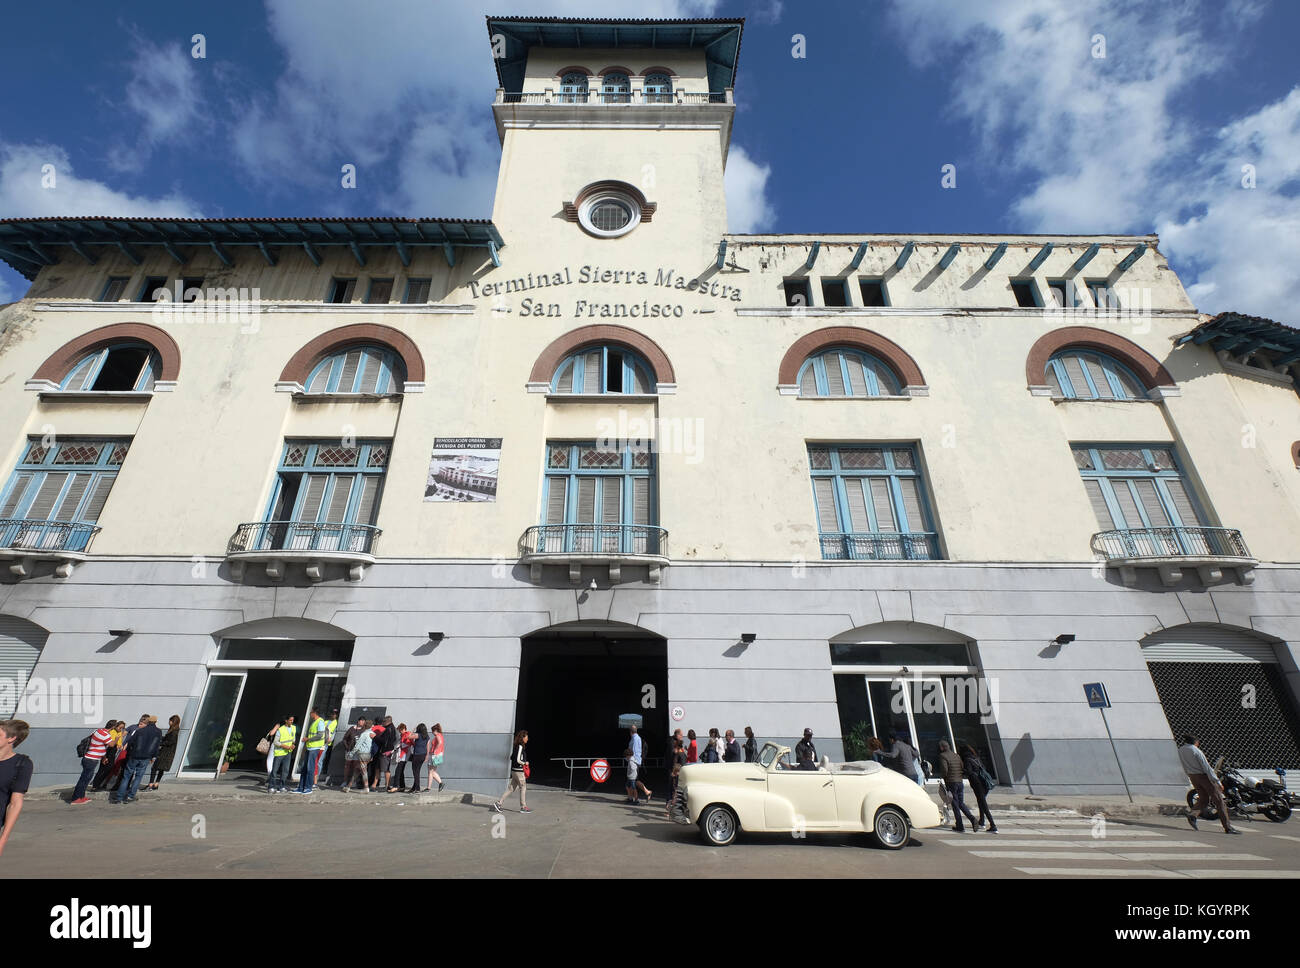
(1099, 844)
(1105, 872)
(1246, 873)
(1080, 831)
(1284, 837)
(1086, 855)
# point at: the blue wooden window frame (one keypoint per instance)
(1110, 478)
(1070, 291)
(39, 461)
(121, 282)
(891, 471)
(849, 357)
(390, 371)
(1111, 368)
(309, 465)
(413, 285)
(658, 88)
(633, 366)
(879, 282)
(574, 88)
(89, 365)
(615, 88)
(1096, 288)
(627, 471)
(1034, 292)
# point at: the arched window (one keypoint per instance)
(358, 369)
(118, 366)
(616, 89)
(847, 373)
(573, 88)
(603, 369)
(658, 89)
(1077, 374)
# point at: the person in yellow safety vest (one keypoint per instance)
(317, 736)
(286, 738)
(330, 727)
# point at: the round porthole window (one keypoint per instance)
(609, 215)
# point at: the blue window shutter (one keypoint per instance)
(585, 511)
(591, 382)
(319, 382)
(1128, 506)
(911, 490)
(340, 497)
(1181, 501)
(555, 500)
(1098, 500)
(1151, 503)
(808, 380)
(881, 504)
(348, 376)
(834, 375)
(83, 374)
(76, 490)
(564, 378)
(859, 520)
(311, 497)
(1078, 380)
(857, 376)
(368, 375)
(47, 496)
(95, 504)
(824, 490)
(17, 492)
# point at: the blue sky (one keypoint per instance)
(1045, 136)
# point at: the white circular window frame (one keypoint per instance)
(585, 210)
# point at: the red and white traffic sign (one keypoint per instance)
(600, 771)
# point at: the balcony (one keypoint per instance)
(880, 546)
(25, 541)
(1171, 550)
(576, 545)
(315, 543)
(552, 106)
(603, 98)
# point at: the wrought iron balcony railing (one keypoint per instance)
(304, 536)
(33, 534)
(1139, 543)
(594, 539)
(603, 97)
(880, 546)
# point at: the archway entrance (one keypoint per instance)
(576, 682)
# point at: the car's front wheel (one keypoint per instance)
(891, 828)
(719, 825)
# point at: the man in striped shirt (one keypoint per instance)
(99, 741)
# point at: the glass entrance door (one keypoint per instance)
(210, 737)
(326, 694)
(914, 708)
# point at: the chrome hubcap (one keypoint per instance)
(720, 826)
(891, 828)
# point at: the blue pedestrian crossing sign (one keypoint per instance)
(1096, 693)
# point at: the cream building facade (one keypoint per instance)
(858, 484)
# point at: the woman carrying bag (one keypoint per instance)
(518, 773)
(437, 747)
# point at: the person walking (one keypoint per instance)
(282, 747)
(951, 770)
(1208, 788)
(402, 752)
(637, 758)
(142, 747)
(15, 776)
(973, 766)
(437, 746)
(692, 749)
(419, 753)
(317, 731)
(92, 760)
(751, 746)
(357, 745)
(166, 753)
(518, 773)
(904, 757)
(731, 751)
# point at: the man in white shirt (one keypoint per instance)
(1205, 781)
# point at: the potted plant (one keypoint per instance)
(233, 749)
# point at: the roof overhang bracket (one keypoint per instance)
(130, 253)
(1132, 257)
(450, 252)
(494, 253)
(172, 251)
(857, 256)
(403, 253)
(722, 254)
(356, 253)
(904, 255)
(222, 254)
(311, 253)
(995, 256)
(948, 256)
(266, 253)
(1084, 259)
(1039, 259)
(812, 255)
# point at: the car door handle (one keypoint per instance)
(828, 783)
(756, 779)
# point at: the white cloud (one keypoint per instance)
(163, 92)
(749, 208)
(1108, 144)
(23, 191)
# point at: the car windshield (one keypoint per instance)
(767, 755)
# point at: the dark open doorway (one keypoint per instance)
(574, 684)
(269, 695)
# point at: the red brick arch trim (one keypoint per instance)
(576, 339)
(863, 339)
(57, 366)
(659, 70)
(617, 70)
(1149, 370)
(573, 69)
(301, 363)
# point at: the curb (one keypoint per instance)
(173, 795)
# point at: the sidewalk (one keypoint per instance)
(246, 787)
(1086, 805)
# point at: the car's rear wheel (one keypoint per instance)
(719, 826)
(891, 828)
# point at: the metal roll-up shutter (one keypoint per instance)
(1206, 643)
(20, 646)
(1226, 687)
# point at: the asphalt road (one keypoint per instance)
(587, 835)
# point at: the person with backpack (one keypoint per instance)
(15, 776)
(437, 746)
(980, 783)
(91, 750)
(166, 753)
(141, 748)
(518, 773)
(356, 752)
(419, 753)
(710, 753)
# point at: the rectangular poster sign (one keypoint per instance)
(463, 469)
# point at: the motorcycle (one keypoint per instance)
(1244, 795)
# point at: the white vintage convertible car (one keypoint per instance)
(771, 796)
